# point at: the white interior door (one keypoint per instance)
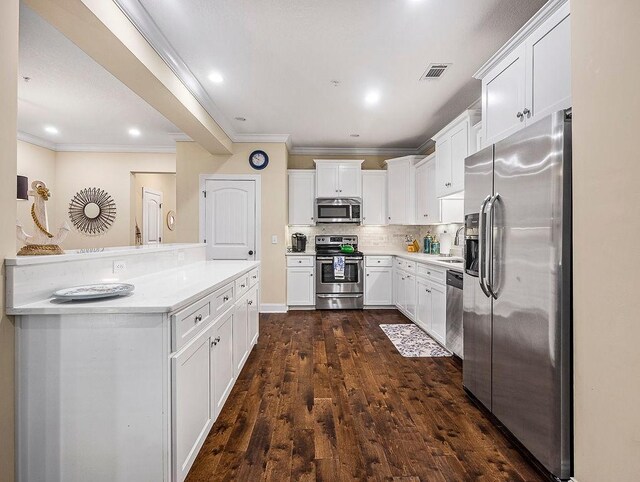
(230, 219)
(151, 216)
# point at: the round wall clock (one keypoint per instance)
(258, 160)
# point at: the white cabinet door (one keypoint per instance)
(378, 287)
(424, 308)
(398, 289)
(350, 180)
(192, 414)
(439, 312)
(432, 201)
(300, 287)
(549, 66)
(443, 166)
(327, 180)
(302, 195)
(422, 194)
(254, 316)
(222, 361)
(459, 152)
(374, 198)
(410, 295)
(240, 334)
(401, 209)
(503, 97)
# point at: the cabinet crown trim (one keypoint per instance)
(338, 161)
(520, 36)
(414, 159)
(470, 115)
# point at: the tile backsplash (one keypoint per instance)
(392, 237)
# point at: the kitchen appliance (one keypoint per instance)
(298, 243)
(331, 210)
(454, 312)
(339, 292)
(517, 288)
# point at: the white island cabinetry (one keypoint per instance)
(127, 388)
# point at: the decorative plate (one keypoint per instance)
(92, 292)
(258, 160)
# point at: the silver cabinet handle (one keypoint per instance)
(481, 247)
(225, 298)
(489, 261)
(198, 319)
(214, 342)
(250, 302)
(255, 276)
(243, 286)
(526, 111)
(368, 274)
(311, 274)
(519, 115)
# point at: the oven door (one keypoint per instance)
(326, 281)
(337, 211)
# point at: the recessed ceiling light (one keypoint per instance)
(240, 119)
(51, 130)
(372, 97)
(216, 77)
(133, 132)
(354, 135)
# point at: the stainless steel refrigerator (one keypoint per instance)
(517, 287)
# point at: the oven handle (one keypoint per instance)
(346, 259)
(340, 295)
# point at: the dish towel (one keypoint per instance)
(338, 267)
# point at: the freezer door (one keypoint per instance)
(530, 276)
(476, 317)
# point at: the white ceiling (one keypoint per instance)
(278, 57)
(70, 91)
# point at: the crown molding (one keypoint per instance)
(180, 137)
(514, 42)
(352, 151)
(36, 141)
(262, 138)
(425, 146)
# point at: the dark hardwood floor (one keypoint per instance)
(326, 396)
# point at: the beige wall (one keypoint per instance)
(192, 160)
(8, 152)
(166, 184)
(111, 172)
(606, 174)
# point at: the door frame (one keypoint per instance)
(258, 207)
(161, 220)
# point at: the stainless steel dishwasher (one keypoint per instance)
(454, 340)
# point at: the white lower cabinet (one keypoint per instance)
(241, 334)
(405, 292)
(378, 286)
(222, 362)
(424, 310)
(254, 315)
(431, 310)
(301, 288)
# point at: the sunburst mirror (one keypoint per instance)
(92, 211)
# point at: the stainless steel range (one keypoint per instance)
(334, 290)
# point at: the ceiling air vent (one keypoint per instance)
(434, 71)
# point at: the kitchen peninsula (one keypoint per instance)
(129, 387)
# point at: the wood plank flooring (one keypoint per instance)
(326, 396)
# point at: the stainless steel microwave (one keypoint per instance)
(331, 210)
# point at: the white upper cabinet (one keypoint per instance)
(338, 179)
(453, 144)
(530, 76)
(374, 198)
(401, 189)
(427, 202)
(302, 194)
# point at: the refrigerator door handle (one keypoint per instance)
(482, 248)
(489, 259)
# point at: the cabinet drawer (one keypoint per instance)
(439, 275)
(242, 285)
(254, 277)
(186, 324)
(405, 264)
(378, 261)
(223, 299)
(299, 261)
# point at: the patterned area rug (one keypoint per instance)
(411, 341)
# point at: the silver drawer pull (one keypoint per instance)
(255, 276)
(250, 302)
(226, 298)
(242, 285)
(198, 319)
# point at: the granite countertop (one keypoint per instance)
(161, 292)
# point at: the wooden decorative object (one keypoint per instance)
(92, 211)
(42, 242)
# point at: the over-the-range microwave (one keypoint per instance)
(334, 210)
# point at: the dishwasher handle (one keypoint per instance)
(454, 278)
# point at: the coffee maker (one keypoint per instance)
(298, 243)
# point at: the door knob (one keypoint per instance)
(251, 252)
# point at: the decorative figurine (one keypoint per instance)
(42, 242)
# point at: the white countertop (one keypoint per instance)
(433, 259)
(161, 292)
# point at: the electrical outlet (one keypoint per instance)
(274, 239)
(119, 266)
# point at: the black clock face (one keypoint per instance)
(258, 159)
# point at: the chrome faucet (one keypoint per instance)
(456, 240)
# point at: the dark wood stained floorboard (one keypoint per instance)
(326, 396)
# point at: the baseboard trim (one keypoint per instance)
(381, 307)
(273, 308)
